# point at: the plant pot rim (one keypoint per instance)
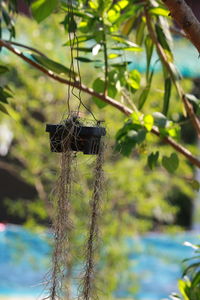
(79, 130)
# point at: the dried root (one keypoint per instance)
(62, 227)
(88, 289)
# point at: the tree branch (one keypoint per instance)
(25, 47)
(124, 109)
(109, 100)
(185, 18)
(177, 31)
(10, 168)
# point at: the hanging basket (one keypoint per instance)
(74, 136)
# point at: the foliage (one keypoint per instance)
(109, 37)
(189, 286)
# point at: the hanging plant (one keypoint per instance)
(67, 138)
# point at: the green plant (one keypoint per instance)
(189, 285)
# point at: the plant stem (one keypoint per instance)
(188, 106)
(25, 47)
(105, 50)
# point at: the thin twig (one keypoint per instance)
(105, 50)
(25, 47)
(177, 31)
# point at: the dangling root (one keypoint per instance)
(88, 285)
(62, 226)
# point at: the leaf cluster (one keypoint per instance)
(189, 286)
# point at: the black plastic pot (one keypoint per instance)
(74, 136)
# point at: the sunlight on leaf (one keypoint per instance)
(41, 9)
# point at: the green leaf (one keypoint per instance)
(145, 92)
(135, 75)
(196, 280)
(84, 59)
(52, 65)
(107, 4)
(3, 109)
(159, 11)
(143, 97)
(86, 25)
(125, 148)
(129, 125)
(128, 139)
(78, 13)
(149, 46)
(112, 90)
(173, 130)
(148, 122)
(153, 159)
(182, 285)
(4, 95)
(8, 20)
(140, 33)
(79, 39)
(159, 120)
(141, 136)
(134, 79)
(133, 83)
(3, 69)
(113, 15)
(87, 60)
(94, 4)
(191, 267)
(41, 9)
(6, 17)
(167, 94)
(121, 65)
(83, 49)
(113, 55)
(163, 40)
(123, 40)
(136, 48)
(195, 185)
(137, 117)
(127, 27)
(122, 3)
(170, 163)
(99, 86)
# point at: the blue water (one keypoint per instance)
(24, 259)
(155, 258)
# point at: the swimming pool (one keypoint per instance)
(25, 259)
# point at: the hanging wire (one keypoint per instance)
(73, 41)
